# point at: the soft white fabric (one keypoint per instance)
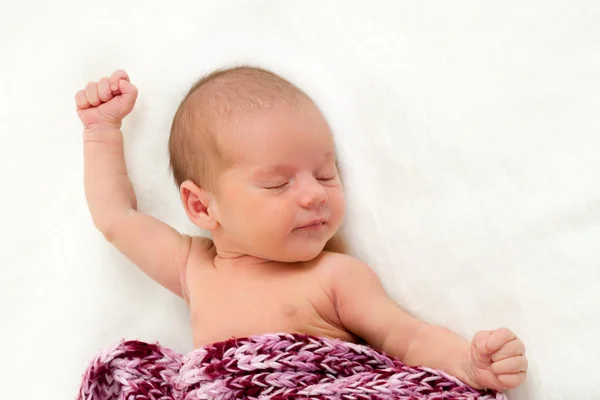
(468, 132)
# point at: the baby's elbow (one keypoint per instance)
(108, 235)
(113, 224)
(106, 229)
(108, 225)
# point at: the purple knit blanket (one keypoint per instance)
(274, 366)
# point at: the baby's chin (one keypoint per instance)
(298, 253)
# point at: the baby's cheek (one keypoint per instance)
(337, 205)
(270, 216)
(283, 220)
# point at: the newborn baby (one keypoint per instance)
(255, 163)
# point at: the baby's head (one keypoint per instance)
(256, 165)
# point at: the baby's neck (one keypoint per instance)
(238, 259)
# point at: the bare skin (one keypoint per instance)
(265, 270)
(262, 298)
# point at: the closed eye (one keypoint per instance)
(278, 187)
(328, 178)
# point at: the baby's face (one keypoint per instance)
(282, 199)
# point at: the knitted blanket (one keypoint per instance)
(273, 366)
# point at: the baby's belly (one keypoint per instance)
(223, 322)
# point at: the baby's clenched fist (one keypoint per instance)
(105, 103)
(498, 360)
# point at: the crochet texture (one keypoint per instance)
(272, 366)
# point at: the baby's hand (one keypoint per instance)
(497, 360)
(105, 103)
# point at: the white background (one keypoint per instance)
(468, 132)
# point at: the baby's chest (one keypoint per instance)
(254, 301)
(222, 308)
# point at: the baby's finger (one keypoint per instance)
(480, 341)
(127, 88)
(91, 92)
(513, 348)
(510, 365)
(512, 381)
(81, 100)
(104, 91)
(499, 338)
(116, 77)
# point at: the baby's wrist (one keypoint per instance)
(465, 369)
(104, 126)
(101, 133)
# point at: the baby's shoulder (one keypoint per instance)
(337, 265)
(202, 250)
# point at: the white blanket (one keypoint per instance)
(468, 133)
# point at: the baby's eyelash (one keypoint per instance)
(284, 185)
(278, 187)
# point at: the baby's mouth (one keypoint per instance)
(313, 225)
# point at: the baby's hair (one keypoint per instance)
(193, 150)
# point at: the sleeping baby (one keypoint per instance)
(255, 163)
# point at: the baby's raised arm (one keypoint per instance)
(159, 250)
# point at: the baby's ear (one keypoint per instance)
(196, 201)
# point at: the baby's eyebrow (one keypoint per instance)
(277, 169)
(282, 169)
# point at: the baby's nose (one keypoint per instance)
(313, 195)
